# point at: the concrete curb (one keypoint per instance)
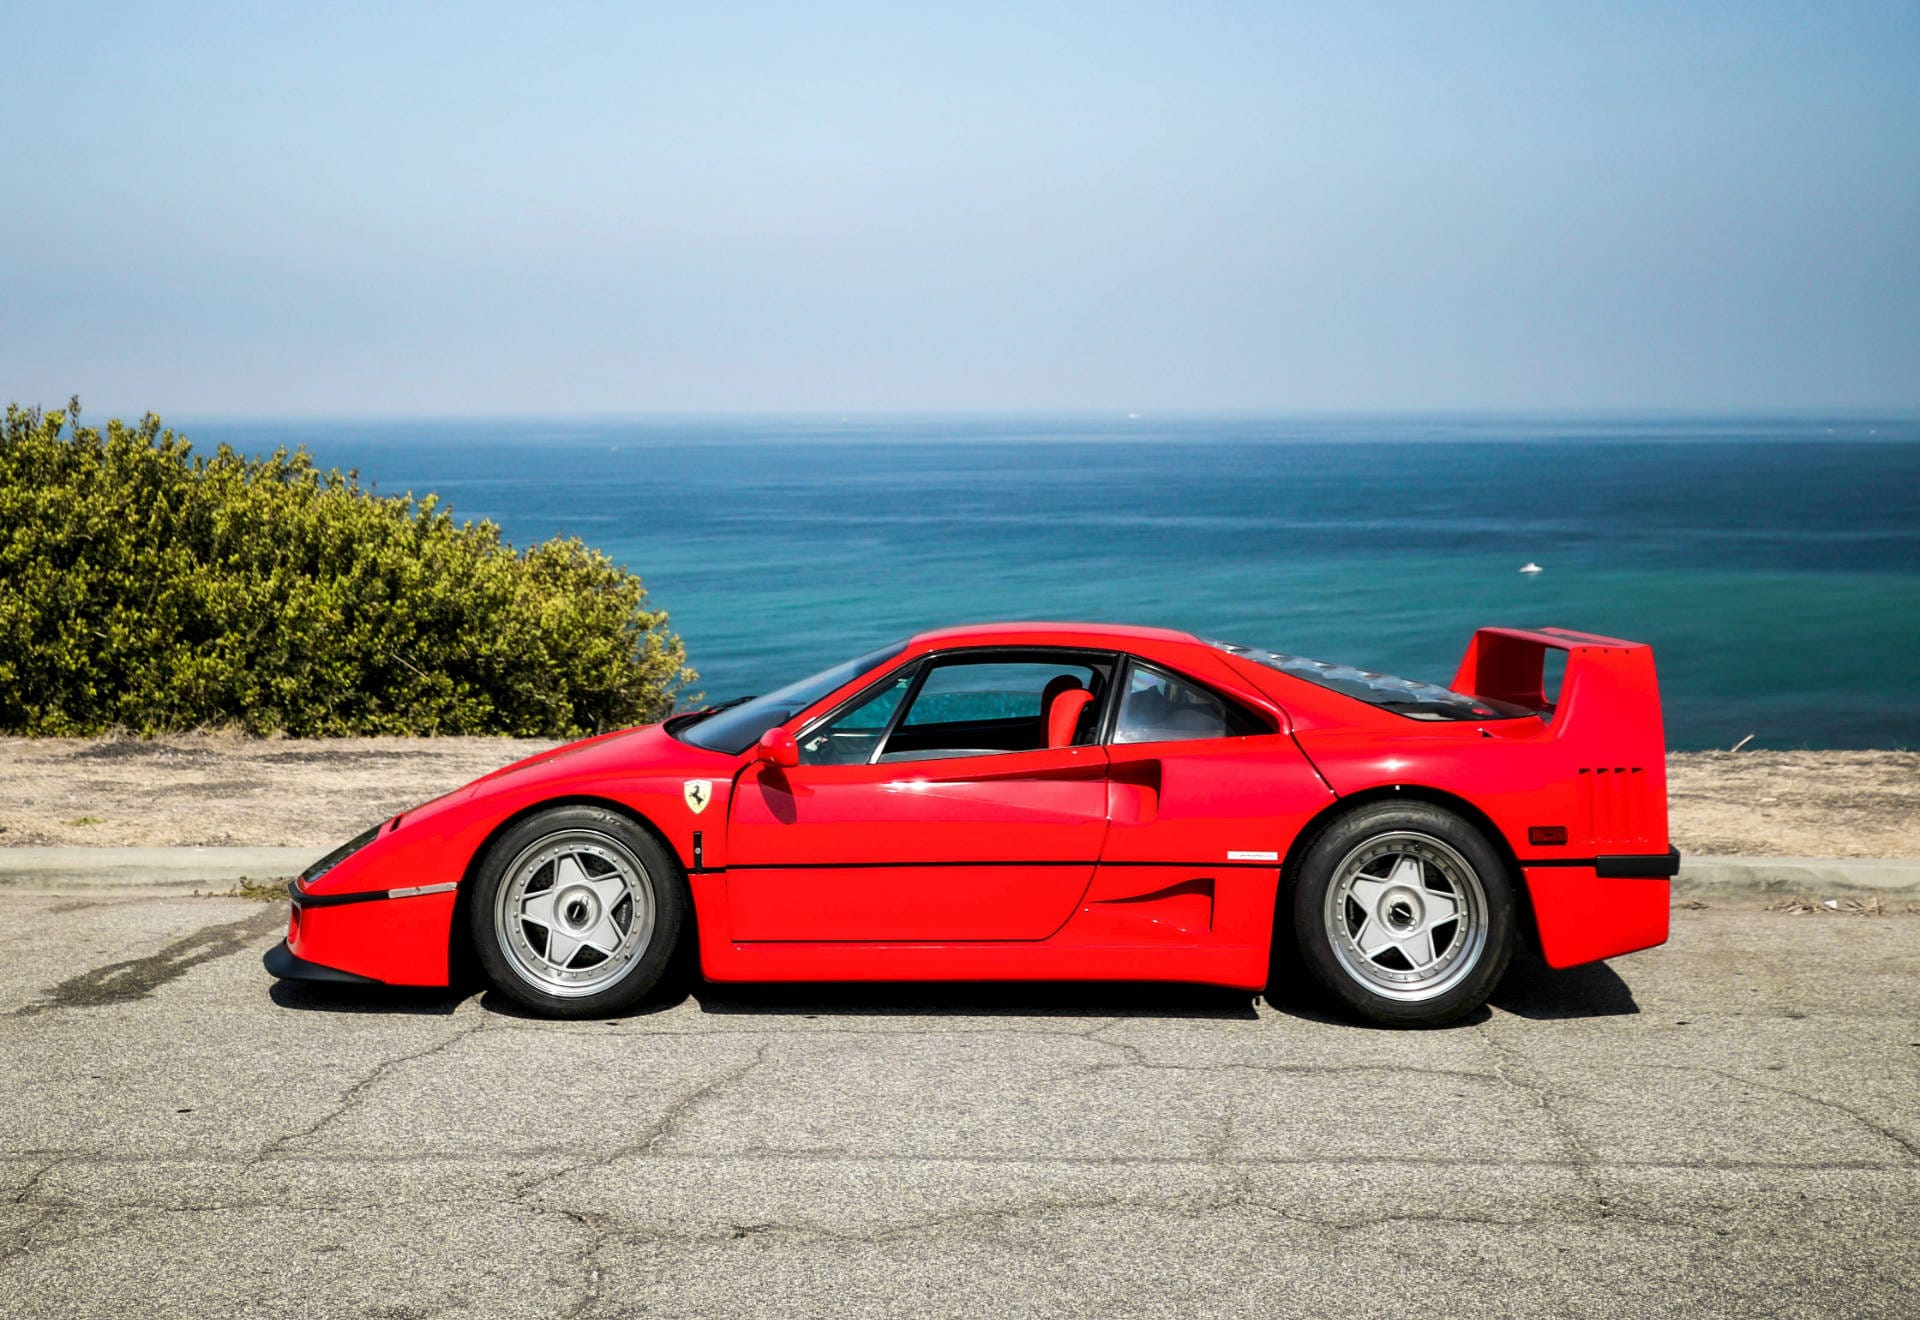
(1820, 877)
(222, 868)
(148, 868)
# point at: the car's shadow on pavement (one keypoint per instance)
(1103, 999)
(322, 997)
(906, 999)
(1530, 989)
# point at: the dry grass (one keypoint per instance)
(259, 892)
(1795, 804)
(1800, 905)
(223, 789)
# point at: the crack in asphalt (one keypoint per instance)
(1867, 1121)
(1137, 1060)
(18, 1238)
(658, 1130)
(23, 1195)
(351, 1097)
(606, 1230)
(676, 1113)
(599, 1238)
(1507, 1069)
(18, 1242)
(1510, 1070)
(838, 1154)
(1287, 1069)
(56, 1212)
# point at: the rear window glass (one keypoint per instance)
(1402, 696)
(1161, 708)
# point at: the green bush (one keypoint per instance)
(146, 587)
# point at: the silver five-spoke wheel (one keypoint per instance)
(574, 913)
(1406, 915)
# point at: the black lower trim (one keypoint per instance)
(1655, 866)
(1620, 866)
(302, 899)
(909, 866)
(280, 961)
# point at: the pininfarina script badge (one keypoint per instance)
(698, 793)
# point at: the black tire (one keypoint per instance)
(1372, 960)
(611, 858)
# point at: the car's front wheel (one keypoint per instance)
(1405, 914)
(576, 912)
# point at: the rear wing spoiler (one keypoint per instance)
(1609, 697)
(1606, 719)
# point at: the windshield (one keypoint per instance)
(734, 728)
(1402, 696)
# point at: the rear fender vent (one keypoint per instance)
(1614, 799)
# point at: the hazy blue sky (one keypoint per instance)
(615, 207)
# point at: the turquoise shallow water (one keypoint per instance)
(1774, 563)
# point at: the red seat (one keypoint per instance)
(1063, 716)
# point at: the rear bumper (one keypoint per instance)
(285, 964)
(1601, 907)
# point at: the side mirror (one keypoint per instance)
(777, 747)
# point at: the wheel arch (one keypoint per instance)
(1459, 806)
(462, 960)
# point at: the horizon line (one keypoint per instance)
(832, 416)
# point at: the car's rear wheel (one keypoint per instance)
(576, 912)
(1404, 914)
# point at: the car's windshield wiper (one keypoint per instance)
(710, 711)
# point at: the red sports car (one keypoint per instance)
(1046, 801)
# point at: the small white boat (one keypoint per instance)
(1531, 567)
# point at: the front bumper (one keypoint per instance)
(288, 966)
(398, 936)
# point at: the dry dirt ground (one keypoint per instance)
(217, 790)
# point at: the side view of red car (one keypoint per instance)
(1042, 801)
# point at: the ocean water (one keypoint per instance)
(1772, 562)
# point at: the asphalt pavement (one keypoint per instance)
(1729, 1125)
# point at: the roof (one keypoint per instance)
(1039, 633)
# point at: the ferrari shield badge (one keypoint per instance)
(698, 793)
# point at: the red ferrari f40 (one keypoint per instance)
(1046, 802)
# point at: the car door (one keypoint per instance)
(929, 808)
(1206, 793)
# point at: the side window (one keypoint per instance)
(851, 738)
(984, 708)
(1159, 707)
